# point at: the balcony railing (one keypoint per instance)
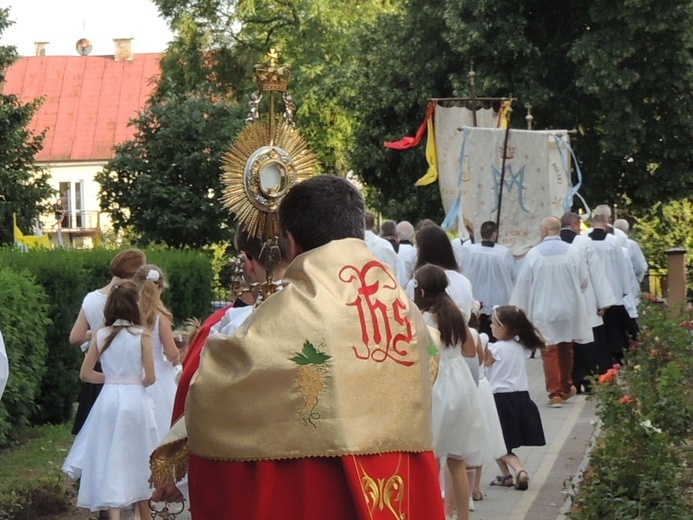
(79, 220)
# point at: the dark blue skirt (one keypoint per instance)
(520, 420)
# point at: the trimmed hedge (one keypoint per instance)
(66, 277)
(24, 323)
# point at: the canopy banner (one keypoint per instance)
(449, 125)
(536, 181)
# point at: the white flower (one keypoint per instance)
(648, 426)
(153, 275)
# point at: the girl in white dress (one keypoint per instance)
(90, 319)
(433, 247)
(111, 452)
(458, 430)
(166, 355)
(494, 447)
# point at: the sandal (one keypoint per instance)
(522, 480)
(504, 481)
(477, 495)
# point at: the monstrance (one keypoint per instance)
(268, 158)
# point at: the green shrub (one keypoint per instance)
(24, 323)
(190, 279)
(66, 277)
(645, 410)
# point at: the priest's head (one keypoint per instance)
(319, 210)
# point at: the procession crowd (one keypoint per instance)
(374, 380)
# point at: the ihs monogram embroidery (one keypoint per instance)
(390, 335)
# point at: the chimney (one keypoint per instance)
(40, 48)
(123, 49)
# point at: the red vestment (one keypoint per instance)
(390, 486)
(192, 361)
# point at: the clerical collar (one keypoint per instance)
(598, 234)
(488, 243)
(568, 235)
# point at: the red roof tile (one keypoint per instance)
(89, 101)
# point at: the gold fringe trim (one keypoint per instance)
(168, 463)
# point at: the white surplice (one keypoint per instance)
(491, 272)
(550, 288)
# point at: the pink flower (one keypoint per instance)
(625, 399)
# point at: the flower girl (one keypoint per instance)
(111, 452)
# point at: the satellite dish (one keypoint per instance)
(83, 47)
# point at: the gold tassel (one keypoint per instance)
(168, 463)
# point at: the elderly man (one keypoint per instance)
(406, 252)
(590, 358)
(381, 248)
(619, 271)
(550, 288)
(637, 258)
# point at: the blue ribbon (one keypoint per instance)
(572, 190)
(454, 210)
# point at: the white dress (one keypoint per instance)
(163, 392)
(111, 452)
(458, 429)
(4, 366)
(495, 445)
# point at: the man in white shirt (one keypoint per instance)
(406, 252)
(381, 248)
(590, 358)
(618, 271)
(550, 288)
(637, 258)
(490, 268)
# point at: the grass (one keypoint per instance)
(39, 452)
(31, 482)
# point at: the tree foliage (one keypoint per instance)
(619, 72)
(24, 187)
(164, 183)
(665, 226)
(315, 37)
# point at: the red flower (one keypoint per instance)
(625, 399)
(608, 377)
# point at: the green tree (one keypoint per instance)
(666, 225)
(636, 91)
(24, 187)
(627, 94)
(315, 37)
(164, 184)
(404, 61)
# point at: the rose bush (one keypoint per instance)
(637, 467)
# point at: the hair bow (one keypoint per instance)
(153, 275)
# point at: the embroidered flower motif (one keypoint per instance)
(311, 370)
(153, 275)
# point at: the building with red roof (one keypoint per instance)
(87, 107)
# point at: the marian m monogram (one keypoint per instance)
(511, 180)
